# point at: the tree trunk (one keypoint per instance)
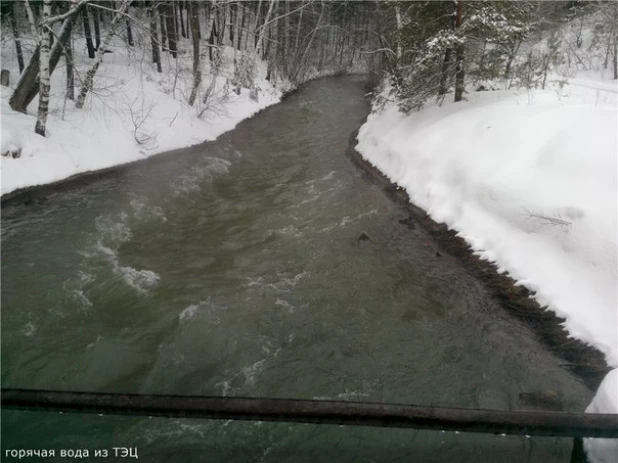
(286, 35)
(445, 68)
(264, 27)
(172, 33)
(233, 22)
(301, 63)
(28, 86)
(509, 62)
(13, 19)
(44, 72)
(97, 28)
(256, 24)
(88, 80)
(399, 52)
(242, 24)
(300, 21)
(195, 38)
(68, 55)
(213, 34)
(607, 51)
(459, 51)
(182, 21)
(223, 25)
(164, 39)
(615, 56)
(154, 37)
(88, 33)
(129, 33)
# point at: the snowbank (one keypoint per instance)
(529, 179)
(606, 399)
(133, 113)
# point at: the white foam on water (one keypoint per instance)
(254, 282)
(315, 196)
(79, 295)
(290, 230)
(143, 212)
(113, 230)
(85, 277)
(285, 304)
(29, 329)
(286, 284)
(193, 180)
(188, 312)
(226, 388)
(346, 220)
(140, 280)
(252, 371)
(328, 176)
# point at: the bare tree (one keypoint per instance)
(162, 13)
(263, 27)
(459, 56)
(13, 20)
(194, 23)
(172, 33)
(154, 38)
(97, 28)
(88, 80)
(88, 33)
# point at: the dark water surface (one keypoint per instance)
(237, 270)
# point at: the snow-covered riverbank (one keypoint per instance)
(134, 113)
(529, 179)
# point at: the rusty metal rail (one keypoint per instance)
(317, 412)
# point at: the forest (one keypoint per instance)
(426, 49)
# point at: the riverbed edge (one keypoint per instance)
(583, 360)
(36, 193)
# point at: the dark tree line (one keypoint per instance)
(427, 49)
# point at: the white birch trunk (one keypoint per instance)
(44, 58)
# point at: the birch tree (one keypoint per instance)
(29, 82)
(44, 73)
(32, 82)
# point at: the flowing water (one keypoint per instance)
(236, 269)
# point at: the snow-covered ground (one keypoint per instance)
(529, 179)
(134, 112)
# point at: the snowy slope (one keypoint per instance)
(529, 180)
(133, 113)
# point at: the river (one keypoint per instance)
(241, 268)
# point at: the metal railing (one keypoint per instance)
(559, 424)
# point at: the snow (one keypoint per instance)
(134, 113)
(606, 400)
(529, 180)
